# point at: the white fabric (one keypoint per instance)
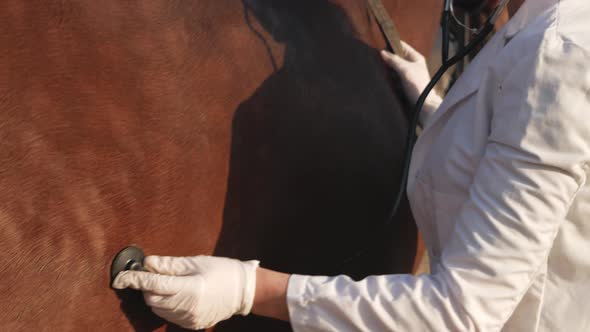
(416, 76)
(498, 187)
(194, 292)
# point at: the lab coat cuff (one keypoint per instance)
(297, 302)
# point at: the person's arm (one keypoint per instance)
(271, 294)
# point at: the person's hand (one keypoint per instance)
(194, 292)
(414, 73)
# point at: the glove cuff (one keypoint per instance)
(249, 270)
(430, 106)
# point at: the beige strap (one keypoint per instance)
(387, 26)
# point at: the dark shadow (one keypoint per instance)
(140, 315)
(137, 312)
(316, 156)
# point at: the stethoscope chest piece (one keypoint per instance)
(130, 258)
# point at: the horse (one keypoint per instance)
(250, 129)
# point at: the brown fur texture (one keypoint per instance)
(252, 129)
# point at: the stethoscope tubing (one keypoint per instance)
(411, 137)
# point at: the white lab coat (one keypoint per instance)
(499, 189)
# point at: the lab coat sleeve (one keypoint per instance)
(535, 161)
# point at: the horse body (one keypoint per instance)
(253, 129)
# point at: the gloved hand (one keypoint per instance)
(194, 292)
(415, 77)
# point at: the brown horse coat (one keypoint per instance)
(253, 129)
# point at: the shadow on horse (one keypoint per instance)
(251, 129)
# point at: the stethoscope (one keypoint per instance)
(479, 37)
(131, 258)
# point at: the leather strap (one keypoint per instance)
(387, 26)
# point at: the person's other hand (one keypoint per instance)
(194, 292)
(414, 73)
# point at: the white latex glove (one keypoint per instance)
(415, 77)
(194, 292)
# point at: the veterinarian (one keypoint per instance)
(498, 186)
